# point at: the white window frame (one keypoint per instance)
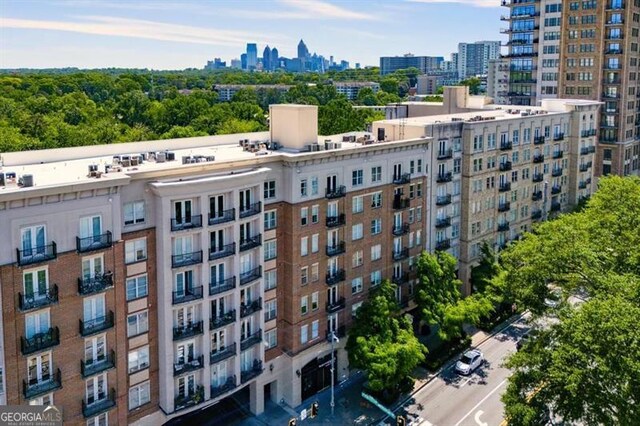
(134, 213)
(141, 323)
(135, 250)
(138, 359)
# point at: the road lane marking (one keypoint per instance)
(465, 382)
(481, 401)
(477, 418)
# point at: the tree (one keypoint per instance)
(389, 85)
(473, 83)
(486, 269)
(381, 341)
(366, 96)
(338, 116)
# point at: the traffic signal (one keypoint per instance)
(314, 409)
(400, 421)
(293, 422)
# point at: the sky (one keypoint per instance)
(178, 34)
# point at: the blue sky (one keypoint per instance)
(176, 34)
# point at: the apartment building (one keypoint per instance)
(473, 58)
(351, 88)
(226, 92)
(498, 81)
(389, 64)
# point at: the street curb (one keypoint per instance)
(504, 325)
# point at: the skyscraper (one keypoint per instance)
(473, 58)
(266, 59)
(252, 56)
(303, 52)
(275, 59)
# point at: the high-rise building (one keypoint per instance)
(389, 64)
(243, 61)
(267, 64)
(275, 59)
(252, 56)
(303, 52)
(473, 58)
(498, 81)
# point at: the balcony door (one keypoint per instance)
(332, 209)
(397, 269)
(332, 294)
(246, 328)
(245, 232)
(246, 296)
(218, 341)
(186, 386)
(91, 227)
(182, 245)
(184, 283)
(217, 273)
(332, 238)
(332, 183)
(397, 220)
(246, 263)
(96, 388)
(332, 266)
(332, 323)
(182, 211)
(37, 323)
(92, 267)
(245, 199)
(246, 360)
(219, 374)
(39, 369)
(185, 353)
(33, 240)
(397, 244)
(216, 240)
(36, 284)
(94, 350)
(216, 206)
(397, 171)
(94, 308)
(185, 316)
(218, 307)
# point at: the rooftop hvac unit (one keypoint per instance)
(337, 145)
(2, 179)
(93, 170)
(26, 181)
(126, 161)
(170, 156)
(116, 159)
(315, 147)
(329, 145)
(211, 158)
(161, 157)
(135, 160)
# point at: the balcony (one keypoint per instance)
(95, 284)
(582, 185)
(339, 332)
(538, 158)
(40, 341)
(188, 330)
(100, 405)
(538, 140)
(37, 254)
(555, 206)
(186, 259)
(96, 325)
(504, 207)
(251, 308)
(250, 210)
(536, 215)
(400, 279)
(217, 287)
(335, 306)
(189, 294)
(181, 402)
(403, 253)
(558, 137)
(556, 172)
(250, 340)
(337, 192)
(584, 150)
(505, 166)
(588, 132)
(250, 243)
(520, 54)
(584, 167)
(399, 230)
(443, 244)
(537, 177)
(611, 95)
(222, 320)
(558, 154)
(401, 179)
(195, 221)
(445, 155)
(443, 222)
(334, 250)
(536, 196)
(506, 146)
(556, 189)
(221, 354)
(230, 384)
(188, 366)
(90, 368)
(254, 372)
(222, 252)
(503, 227)
(443, 200)
(334, 221)
(525, 80)
(504, 187)
(400, 203)
(37, 388)
(251, 275)
(36, 301)
(216, 218)
(95, 242)
(335, 277)
(444, 177)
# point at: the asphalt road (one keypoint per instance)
(454, 400)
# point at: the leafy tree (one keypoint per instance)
(389, 85)
(366, 96)
(381, 341)
(486, 270)
(132, 107)
(473, 83)
(338, 116)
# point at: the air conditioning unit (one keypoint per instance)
(25, 181)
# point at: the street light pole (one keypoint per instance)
(333, 340)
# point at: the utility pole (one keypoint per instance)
(334, 339)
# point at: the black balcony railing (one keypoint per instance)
(443, 244)
(188, 366)
(251, 275)
(444, 177)
(584, 167)
(505, 186)
(217, 287)
(229, 385)
(556, 172)
(337, 192)
(335, 277)
(555, 206)
(556, 189)
(506, 146)
(95, 284)
(40, 341)
(222, 216)
(195, 221)
(443, 222)
(333, 221)
(558, 136)
(37, 254)
(504, 207)
(252, 373)
(188, 330)
(445, 155)
(503, 226)
(536, 196)
(221, 354)
(588, 132)
(399, 230)
(538, 140)
(400, 279)
(400, 203)
(334, 250)
(443, 200)
(95, 366)
(403, 253)
(250, 243)
(186, 259)
(250, 209)
(538, 158)
(250, 340)
(34, 301)
(558, 154)
(584, 150)
(536, 215)
(96, 325)
(592, 149)
(222, 320)
(401, 178)
(181, 402)
(338, 332)
(582, 185)
(95, 242)
(107, 402)
(251, 308)
(222, 251)
(537, 177)
(187, 295)
(505, 166)
(335, 305)
(35, 388)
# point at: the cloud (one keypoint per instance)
(322, 9)
(136, 28)
(476, 3)
(355, 33)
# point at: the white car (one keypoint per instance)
(470, 361)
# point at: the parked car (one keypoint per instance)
(469, 362)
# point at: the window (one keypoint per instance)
(376, 278)
(376, 174)
(269, 189)
(135, 251)
(356, 232)
(314, 329)
(271, 338)
(376, 226)
(304, 216)
(314, 243)
(137, 287)
(304, 331)
(376, 252)
(270, 220)
(314, 301)
(270, 309)
(270, 279)
(418, 213)
(314, 185)
(315, 213)
(304, 246)
(357, 259)
(304, 305)
(315, 274)
(357, 204)
(357, 178)
(270, 250)
(418, 237)
(139, 395)
(99, 420)
(376, 200)
(304, 275)
(134, 213)
(42, 400)
(354, 308)
(303, 188)
(137, 323)
(356, 285)
(138, 359)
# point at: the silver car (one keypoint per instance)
(470, 361)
